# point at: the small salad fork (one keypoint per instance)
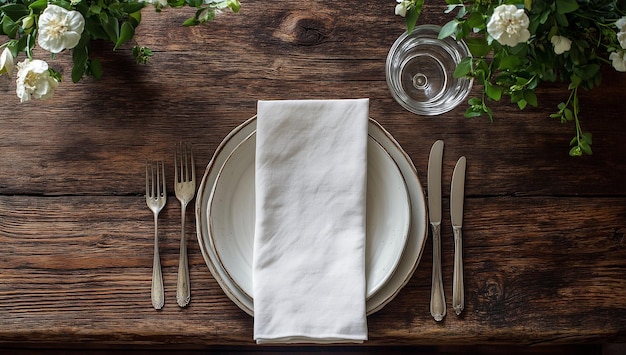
(156, 196)
(185, 187)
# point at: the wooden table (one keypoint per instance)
(544, 234)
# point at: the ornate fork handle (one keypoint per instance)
(183, 292)
(158, 293)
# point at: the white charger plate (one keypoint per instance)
(414, 244)
(231, 215)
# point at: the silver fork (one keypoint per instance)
(156, 195)
(185, 187)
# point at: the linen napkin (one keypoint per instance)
(309, 244)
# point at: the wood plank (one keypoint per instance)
(78, 270)
(96, 134)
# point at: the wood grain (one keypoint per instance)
(544, 246)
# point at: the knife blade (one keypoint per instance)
(437, 297)
(457, 196)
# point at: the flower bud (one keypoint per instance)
(6, 62)
(28, 22)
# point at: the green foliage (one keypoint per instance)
(515, 72)
(110, 20)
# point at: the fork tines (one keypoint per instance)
(184, 164)
(155, 179)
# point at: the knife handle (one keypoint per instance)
(437, 298)
(458, 297)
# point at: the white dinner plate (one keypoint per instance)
(414, 243)
(231, 215)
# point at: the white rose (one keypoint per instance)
(618, 60)
(561, 44)
(6, 62)
(621, 24)
(161, 3)
(59, 28)
(621, 37)
(509, 25)
(401, 8)
(34, 80)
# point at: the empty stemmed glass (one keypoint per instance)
(419, 71)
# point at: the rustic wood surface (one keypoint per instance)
(544, 234)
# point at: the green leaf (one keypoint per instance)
(488, 112)
(561, 19)
(568, 114)
(77, 72)
(95, 8)
(476, 20)
(510, 62)
(474, 101)
(522, 104)
(94, 29)
(134, 18)
(411, 19)
(38, 5)
(586, 148)
(530, 97)
(575, 151)
(95, 67)
(190, 22)
(448, 29)
(463, 68)
(127, 32)
(566, 6)
(493, 91)
(478, 46)
(131, 7)
(575, 81)
(9, 27)
(470, 113)
(15, 11)
(234, 5)
(110, 25)
(587, 138)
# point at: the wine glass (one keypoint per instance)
(419, 71)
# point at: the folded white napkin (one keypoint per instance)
(309, 244)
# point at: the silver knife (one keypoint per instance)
(457, 195)
(437, 298)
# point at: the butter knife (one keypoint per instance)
(457, 195)
(437, 298)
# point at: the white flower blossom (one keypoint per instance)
(621, 24)
(161, 3)
(59, 28)
(34, 80)
(509, 25)
(6, 62)
(621, 37)
(401, 8)
(561, 44)
(618, 60)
